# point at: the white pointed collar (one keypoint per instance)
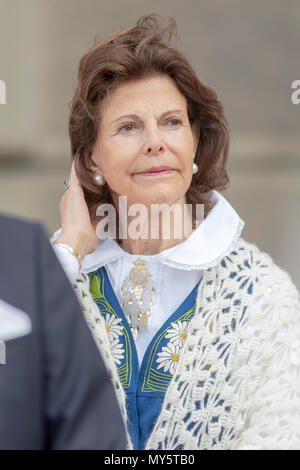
(214, 238)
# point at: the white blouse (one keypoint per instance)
(174, 271)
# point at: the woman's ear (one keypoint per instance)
(96, 172)
(93, 167)
(90, 161)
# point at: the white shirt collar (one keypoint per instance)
(214, 238)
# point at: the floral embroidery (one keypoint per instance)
(177, 334)
(117, 351)
(170, 354)
(169, 341)
(156, 380)
(169, 357)
(117, 334)
(113, 329)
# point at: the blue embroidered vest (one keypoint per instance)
(145, 388)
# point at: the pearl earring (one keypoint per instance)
(99, 180)
(195, 168)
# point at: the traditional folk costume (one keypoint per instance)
(202, 340)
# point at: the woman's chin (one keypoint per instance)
(157, 197)
(155, 191)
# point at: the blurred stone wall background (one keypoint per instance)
(247, 51)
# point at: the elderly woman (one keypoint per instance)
(200, 332)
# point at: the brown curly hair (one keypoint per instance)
(140, 51)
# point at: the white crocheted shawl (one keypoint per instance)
(237, 382)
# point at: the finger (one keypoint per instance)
(74, 181)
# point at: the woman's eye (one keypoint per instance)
(126, 127)
(174, 122)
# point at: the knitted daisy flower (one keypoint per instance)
(113, 329)
(168, 358)
(177, 334)
(117, 351)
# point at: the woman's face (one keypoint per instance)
(144, 124)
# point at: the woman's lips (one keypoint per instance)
(156, 171)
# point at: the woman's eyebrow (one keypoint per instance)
(136, 116)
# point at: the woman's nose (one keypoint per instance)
(153, 143)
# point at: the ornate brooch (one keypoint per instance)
(137, 290)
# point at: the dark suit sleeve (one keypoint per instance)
(81, 411)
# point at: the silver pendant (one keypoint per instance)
(137, 291)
